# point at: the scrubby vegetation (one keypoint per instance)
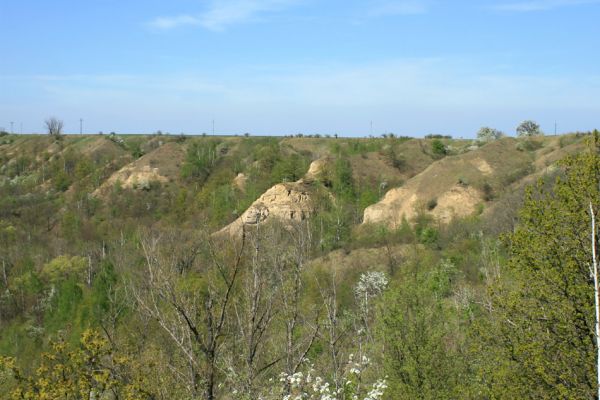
(121, 288)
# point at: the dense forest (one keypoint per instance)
(202, 267)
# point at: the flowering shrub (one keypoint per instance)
(370, 284)
(306, 385)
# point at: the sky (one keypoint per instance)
(278, 67)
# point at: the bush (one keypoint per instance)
(529, 145)
(488, 191)
(431, 204)
(438, 148)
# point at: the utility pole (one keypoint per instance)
(213, 127)
(371, 127)
(555, 127)
(11, 127)
(81, 126)
(21, 128)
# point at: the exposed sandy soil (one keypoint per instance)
(284, 201)
(162, 165)
(451, 186)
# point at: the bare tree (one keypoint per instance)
(301, 326)
(192, 306)
(273, 322)
(54, 126)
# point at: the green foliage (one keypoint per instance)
(432, 204)
(92, 370)
(64, 300)
(64, 267)
(529, 145)
(201, 158)
(529, 128)
(543, 319)
(104, 283)
(342, 182)
(438, 148)
(288, 169)
(437, 333)
(422, 358)
(488, 191)
(486, 134)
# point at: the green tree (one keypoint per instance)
(487, 134)
(539, 338)
(529, 128)
(91, 371)
(417, 329)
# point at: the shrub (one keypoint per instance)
(438, 148)
(529, 145)
(431, 204)
(488, 191)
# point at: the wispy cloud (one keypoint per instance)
(174, 22)
(221, 14)
(411, 95)
(398, 7)
(540, 5)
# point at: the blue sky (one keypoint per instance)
(412, 67)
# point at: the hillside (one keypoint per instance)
(272, 251)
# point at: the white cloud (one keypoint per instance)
(398, 7)
(174, 22)
(540, 5)
(221, 14)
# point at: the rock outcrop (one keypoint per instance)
(134, 177)
(316, 169)
(285, 201)
(162, 165)
(240, 182)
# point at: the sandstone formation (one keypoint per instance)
(162, 165)
(284, 201)
(316, 169)
(240, 181)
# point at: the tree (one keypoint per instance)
(93, 370)
(487, 134)
(192, 302)
(54, 126)
(529, 128)
(419, 334)
(541, 339)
